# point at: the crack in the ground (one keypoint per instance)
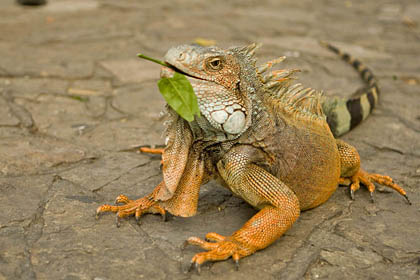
(154, 243)
(34, 230)
(119, 176)
(126, 114)
(13, 223)
(383, 148)
(315, 258)
(21, 113)
(74, 165)
(407, 123)
(388, 149)
(308, 253)
(373, 245)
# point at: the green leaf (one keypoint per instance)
(180, 96)
(177, 92)
(79, 98)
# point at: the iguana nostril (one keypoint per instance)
(181, 56)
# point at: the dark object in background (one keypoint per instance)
(32, 2)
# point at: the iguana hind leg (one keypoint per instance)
(352, 174)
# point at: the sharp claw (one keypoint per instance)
(164, 218)
(237, 265)
(98, 212)
(191, 267)
(117, 221)
(351, 194)
(137, 219)
(406, 197)
(372, 199)
(184, 245)
(198, 268)
(195, 266)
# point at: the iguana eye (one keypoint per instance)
(215, 64)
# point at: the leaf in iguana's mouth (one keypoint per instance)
(177, 92)
(179, 95)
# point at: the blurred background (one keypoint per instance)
(76, 102)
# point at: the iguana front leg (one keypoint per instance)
(352, 174)
(279, 210)
(183, 174)
(182, 203)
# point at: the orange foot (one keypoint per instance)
(153, 151)
(137, 207)
(221, 249)
(149, 150)
(367, 179)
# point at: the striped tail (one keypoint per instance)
(344, 114)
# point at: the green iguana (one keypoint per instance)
(262, 137)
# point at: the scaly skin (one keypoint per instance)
(265, 139)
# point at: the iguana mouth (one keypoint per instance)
(175, 69)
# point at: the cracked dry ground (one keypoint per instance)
(74, 100)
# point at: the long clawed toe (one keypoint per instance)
(236, 258)
(122, 199)
(196, 266)
(131, 207)
(408, 200)
(218, 248)
(389, 182)
(367, 180)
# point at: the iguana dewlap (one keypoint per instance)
(262, 137)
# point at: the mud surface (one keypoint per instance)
(74, 100)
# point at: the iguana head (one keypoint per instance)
(224, 81)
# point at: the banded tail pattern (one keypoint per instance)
(344, 114)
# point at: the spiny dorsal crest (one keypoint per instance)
(298, 99)
(268, 65)
(248, 52)
(293, 98)
(250, 49)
